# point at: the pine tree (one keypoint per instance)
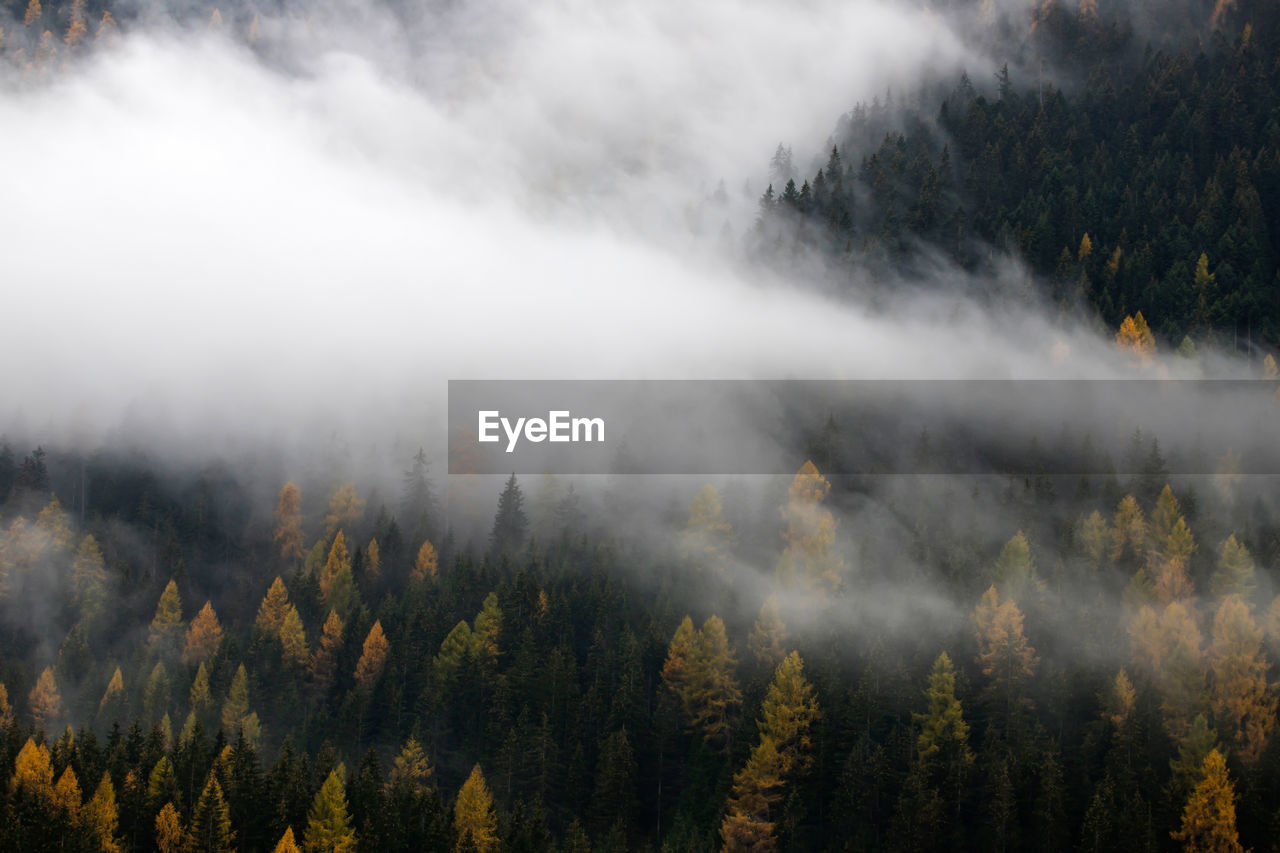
(155, 699)
(372, 566)
(46, 702)
(203, 636)
(510, 522)
(288, 536)
(454, 650)
(329, 827)
(372, 659)
(1209, 818)
(474, 820)
(1193, 749)
(943, 744)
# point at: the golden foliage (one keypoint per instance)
(474, 821)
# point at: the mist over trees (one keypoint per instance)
(330, 654)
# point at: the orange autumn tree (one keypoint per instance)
(1209, 818)
(203, 636)
(46, 702)
(699, 670)
(372, 659)
(425, 567)
(1242, 702)
(1134, 338)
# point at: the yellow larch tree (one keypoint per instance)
(46, 702)
(372, 658)
(1243, 704)
(1209, 818)
(426, 566)
(288, 536)
(203, 636)
(810, 535)
(272, 610)
(475, 823)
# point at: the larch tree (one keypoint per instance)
(1242, 702)
(373, 658)
(372, 566)
(485, 631)
(337, 585)
(1015, 568)
(329, 828)
(54, 523)
(199, 696)
(293, 639)
(34, 13)
(710, 694)
(112, 697)
(44, 699)
(235, 711)
(76, 27)
(204, 635)
(107, 29)
(427, 565)
(286, 844)
(170, 836)
(707, 538)
(324, 663)
(1094, 537)
(32, 771)
(288, 536)
(943, 743)
(475, 823)
(1235, 573)
(272, 610)
(1209, 818)
(1134, 338)
(1004, 654)
(103, 818)
(768, 636)
(454, 650)
(1128, 532)
(166, 631)
(67, 795)
(757, 788)
(810, 535)
(7, 715)
(411, 767)
(89, 578)
(345, 509)
(155, 697)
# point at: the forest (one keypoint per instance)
(230, 652)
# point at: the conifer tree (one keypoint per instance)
(293, 639)
(325, 662)
(329, 827)
(707, 538)
(345, 509)
(768, 635)
(272, 610)
(288, 536)
(1241, 699)
(810, 534)
(485, 631)
(474, 821)
(103, 818)
(170, 835)
(210, 830)
(1209, 818)
(166, 628)
(710, 693)
(1015, 568)
(426, 566)
(1235, 574)
(510, 522)
(89, 576)
(286, 844)
(372, 659)
(46, 702)
(203, 636)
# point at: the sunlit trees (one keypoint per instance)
(426, 565)
(1135, 339)
(102, 817)
(169, 831)
(337, 586)
(272, 610)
